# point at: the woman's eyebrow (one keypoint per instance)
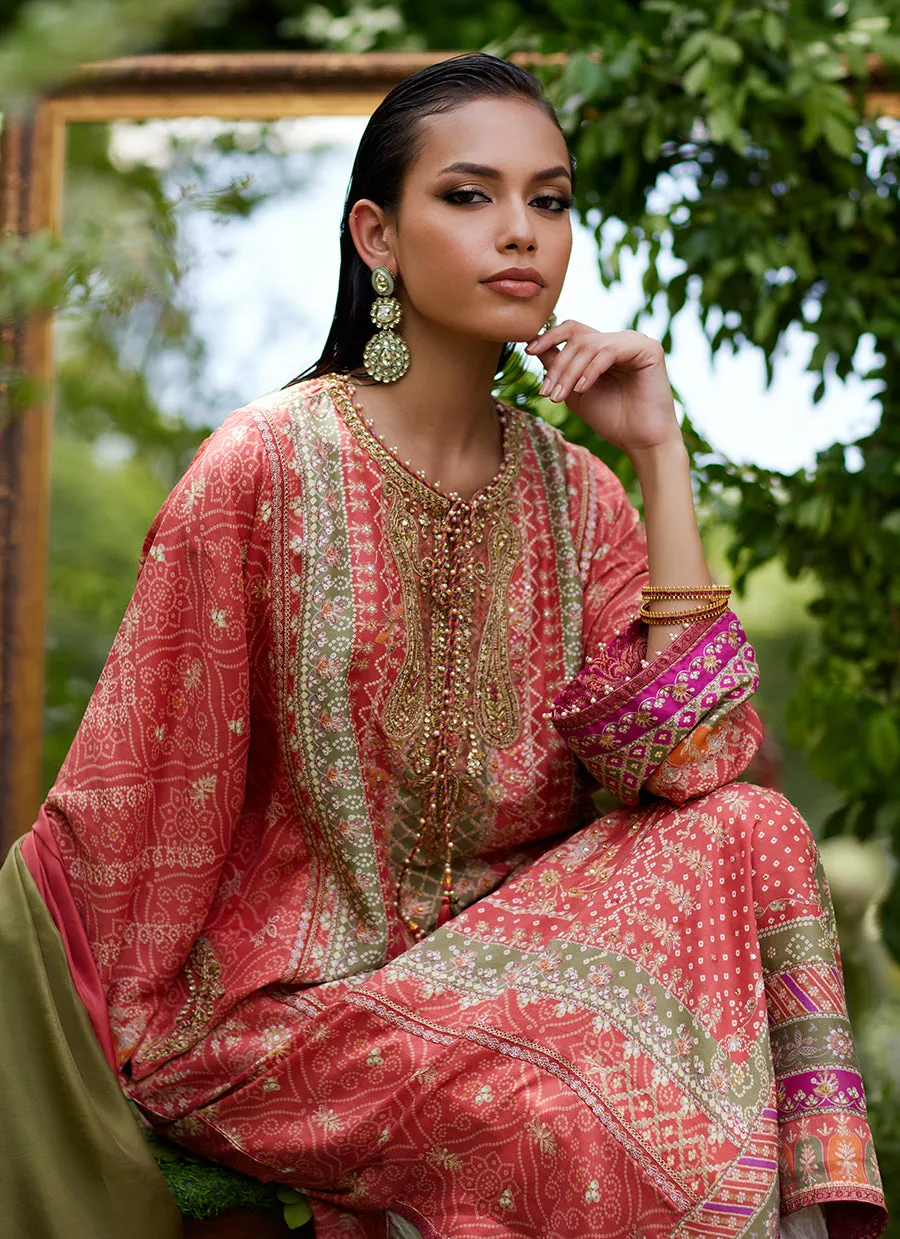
(477, 169)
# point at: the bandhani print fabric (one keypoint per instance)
(634, 1025)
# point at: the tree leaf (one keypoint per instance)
(695, 80)
(724, 51)
(839, 135)
(883, 742)
(296, 1216)
(773, 31)
(693, 46)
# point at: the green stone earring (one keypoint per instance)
(386, 356)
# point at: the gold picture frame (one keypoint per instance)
(240, 86)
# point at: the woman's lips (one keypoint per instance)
(515, 288)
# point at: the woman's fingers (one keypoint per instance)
(566, 370)
(577, 369)
(587, 355)
(602, 362)
(549, 355)
(564, 366)
(554, 336)
(554, 364)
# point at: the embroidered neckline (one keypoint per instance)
(339, 388)
(450, 702)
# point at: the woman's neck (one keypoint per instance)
(440, 417)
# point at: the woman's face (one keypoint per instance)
(488, 193)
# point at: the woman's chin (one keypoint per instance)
(496, 329)
(514, 329)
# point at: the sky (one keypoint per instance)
(263, 292)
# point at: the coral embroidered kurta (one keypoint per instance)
(330, 671)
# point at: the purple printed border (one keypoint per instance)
(573, 692)
(662, 673)
(728, 646)
(826, 1088)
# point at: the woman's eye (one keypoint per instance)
(544, 202)
(465, 196)
(551, 202)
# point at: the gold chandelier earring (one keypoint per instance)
(386, 356)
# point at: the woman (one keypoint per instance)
(322, 854)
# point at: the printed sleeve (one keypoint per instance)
(678, 727)
(143, 809)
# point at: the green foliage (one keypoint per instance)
(203, 1189)
(296, 1209)
(43, 41)
(99, 515)
(361, 29)
(125, 323)
(884, 1117)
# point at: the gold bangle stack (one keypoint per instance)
(713, 600)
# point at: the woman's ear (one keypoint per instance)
(371, 235)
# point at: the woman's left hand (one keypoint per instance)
(615, 381)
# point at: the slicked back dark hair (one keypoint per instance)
(388, 146)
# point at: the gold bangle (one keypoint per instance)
(687, 592)
(661, 618)
(702, 605)
(653, 621)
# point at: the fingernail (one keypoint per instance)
(545, 387)
(579, 386)
(557, 392)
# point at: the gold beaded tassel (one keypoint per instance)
(452, 580)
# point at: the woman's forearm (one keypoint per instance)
(675, 552)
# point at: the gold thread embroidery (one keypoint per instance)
(405, 707)
(587, 517)
(495, 492)
(202, 971)
(497, 715)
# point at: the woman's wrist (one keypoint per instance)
(674, 550)
(661, 462)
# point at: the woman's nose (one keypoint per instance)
(518, 232)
